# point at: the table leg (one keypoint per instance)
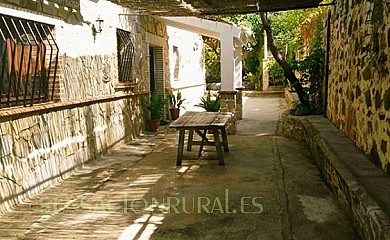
(180, 147)
(218, 146)
(203, 135)
(225, 140)
(190, 138)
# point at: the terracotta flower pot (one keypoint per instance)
(175, 112)
(154, 125)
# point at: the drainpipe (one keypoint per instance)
(328, 34)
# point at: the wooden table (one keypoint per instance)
(201, 123)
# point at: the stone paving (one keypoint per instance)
(269, 189)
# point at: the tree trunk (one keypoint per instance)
(281, 60)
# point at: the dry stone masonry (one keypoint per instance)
(41, 149)
(359, 85)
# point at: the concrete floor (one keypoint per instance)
(269, 189)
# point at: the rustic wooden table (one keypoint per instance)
(200, 123)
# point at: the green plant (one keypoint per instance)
(253, 51)
(155, 105)
(311, 71)
(209, 103)
(176, 101)
(212, 59)
(300, 109)
(276, 74)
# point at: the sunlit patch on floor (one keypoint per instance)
(318, 209)
(144, 226)
(146, 179)
(88, 217)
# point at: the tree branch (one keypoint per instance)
(281, 60)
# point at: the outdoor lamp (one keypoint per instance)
(99, 24)
(98, 28)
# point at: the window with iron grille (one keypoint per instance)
(125, 55)
(28, 62)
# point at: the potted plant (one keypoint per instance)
(209, 103)
(155, 106)
(175, 103)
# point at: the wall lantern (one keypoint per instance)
(98, 28)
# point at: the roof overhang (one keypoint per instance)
(209, 7)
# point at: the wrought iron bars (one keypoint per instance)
(28, 62)
(125, 55)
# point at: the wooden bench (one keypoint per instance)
(200, 123)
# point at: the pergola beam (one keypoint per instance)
(249, 11)
(208, 7)
(232, 39)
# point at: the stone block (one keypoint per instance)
(228, 101)
(231, 128)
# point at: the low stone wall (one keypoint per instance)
(291, 97)
(361, 186)
(263, 94)
(42, 144)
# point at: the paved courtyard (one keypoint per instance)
(268, 189)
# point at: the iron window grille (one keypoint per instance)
(28, 62)
(125, 55)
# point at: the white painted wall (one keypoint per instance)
(81, 42)
(232, 37)
(191, 80)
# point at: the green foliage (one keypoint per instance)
(252, 81)
(300, 109)
(209, 103)
(252, 21)
(175, 101)
(212, 59)
(288, 32)
(286, 26)
(276, 74)
(155, 105)
(253, 54)
(311, 71)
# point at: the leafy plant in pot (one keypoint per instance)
(209, 103)
(175, 103)
(155, 106)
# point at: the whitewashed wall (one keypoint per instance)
(191, 78)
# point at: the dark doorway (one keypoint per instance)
(152, 69)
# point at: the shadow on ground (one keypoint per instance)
(269, 189)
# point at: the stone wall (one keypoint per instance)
(90, 66)
(153, 26)
(359, 185)
(44, 145)
(89, 76)
(359, 86)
